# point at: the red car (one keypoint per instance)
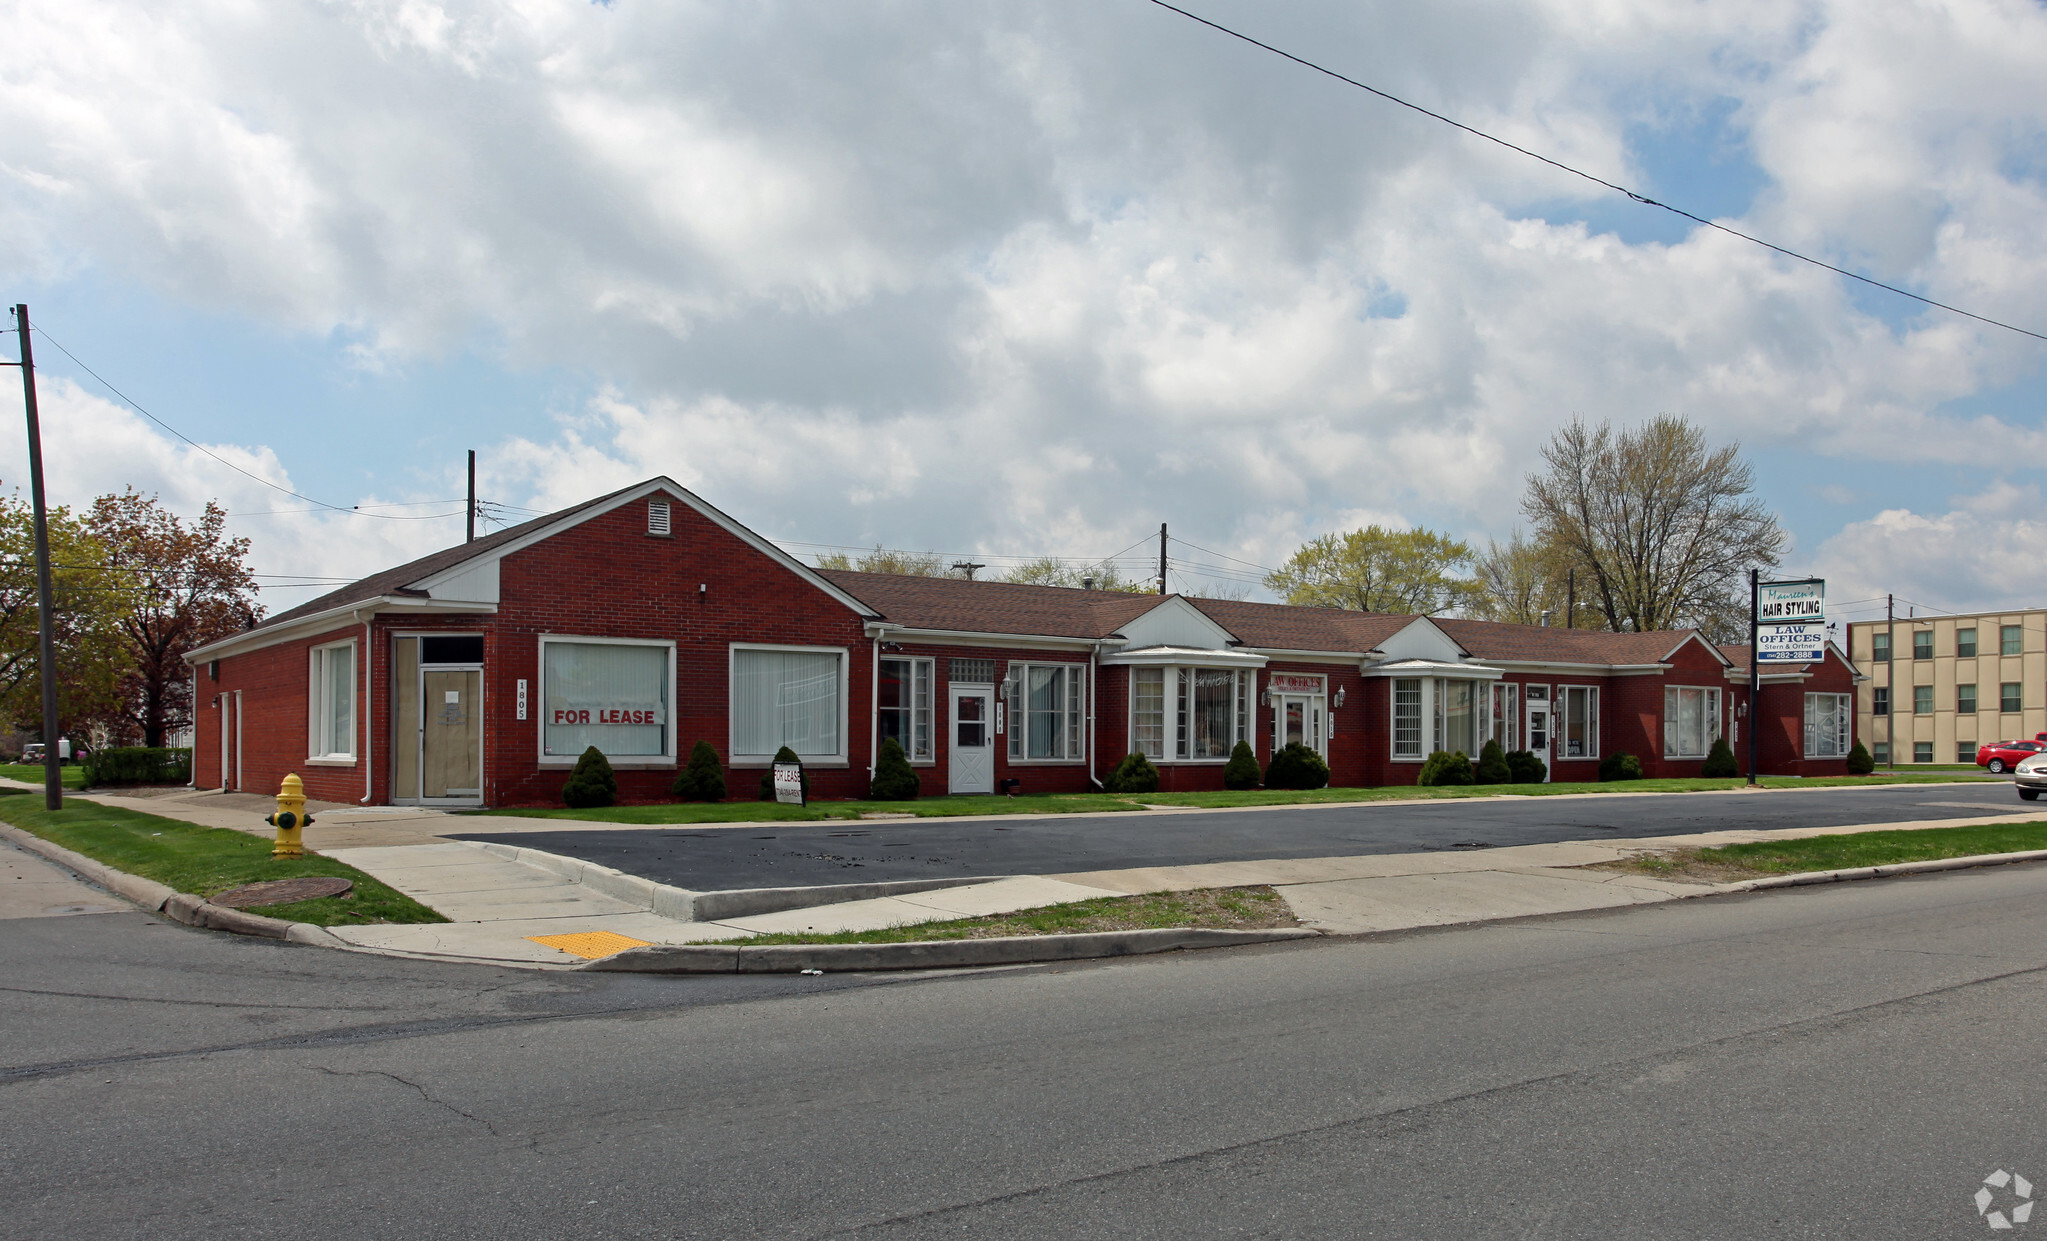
(2002, 756)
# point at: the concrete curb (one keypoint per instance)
(742, 958)
(161, 898)
(685, 905)
(1929, 866)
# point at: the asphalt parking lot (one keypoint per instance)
(758, 855)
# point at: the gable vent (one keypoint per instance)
(657, 517)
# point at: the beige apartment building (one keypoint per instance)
(1953, 683)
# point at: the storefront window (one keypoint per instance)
(1209, 704)
(1691, 721)
(1826, 726)
(1045, 711)
(905, 693)
(787, 698)
(1581, 720)
(613, 695)
(333, 702)
(1407, 718)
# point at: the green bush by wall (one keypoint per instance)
(1134, 774)
(894, 779)
(1296, 767)
(1241, 772)
(1719, 760)
(1525, 768)
(591, 783)
(704, 778)
(1859, 761)
(1492, 765)
(1447, 767)
(138, 765)
(1620, 767)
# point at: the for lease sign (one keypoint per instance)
(605, 715)
(1792, 601)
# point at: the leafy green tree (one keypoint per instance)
(1052, 571)
(888, 560)
(92, 600)
(190, 585)
(1664, 526)
(1377, 570)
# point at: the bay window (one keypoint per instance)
(1189, 714)
(1148, 712)
(331, 698)
(1046, 710)
(905, 695)
(1827, 717)
(1456, 718)
(1691, 720)
(1580, 704)
(610, 694)
(788, 696)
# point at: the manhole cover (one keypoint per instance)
(282, 891)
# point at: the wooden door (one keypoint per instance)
(451, 735)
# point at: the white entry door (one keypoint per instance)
(1538, 725)
(973, 739)
(1297, 719)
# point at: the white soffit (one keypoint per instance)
(1176, 622)
(1209, 657)
(1422, 638)
(1430, 668)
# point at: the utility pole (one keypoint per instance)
(1890, 680)
(1162, 558)
(46, 652)
(967, 567)
(472, 497)
(1755, 668)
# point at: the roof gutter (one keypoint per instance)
(332, 618)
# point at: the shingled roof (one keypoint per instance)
(992, 607)
(1286, 627)
(1553, 645)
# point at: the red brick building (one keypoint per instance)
(644, 621)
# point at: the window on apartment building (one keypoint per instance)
(1965, 751)
(1407, 718)
(1691, 720)
(1965, 644)
(1880, 751)
(788, 696)
(2011, 640)
(1880, 700)
(1965, 701)
(1045, 712)
(613, 695)
(331, 734)
(905, 693)
(1922, 751)
(1581, 720)
(1922, 644)
(1922, 700)
(1880, 646)
(2009, 700)
(1827, 717)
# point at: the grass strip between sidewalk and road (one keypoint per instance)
(206, 860)
(1227, 909)
(1756, 859)
(1111, 803)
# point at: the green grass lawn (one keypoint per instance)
(32, 773)
(1236, 909)
(1843, 852)
(206, 860)
(1106, 803)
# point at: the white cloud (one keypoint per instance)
(1975, 556)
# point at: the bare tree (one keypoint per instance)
(1665, 526)
(1519, 581)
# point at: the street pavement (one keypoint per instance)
(765, 855)
(1848, 1061)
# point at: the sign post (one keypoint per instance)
(1755, 671)
(1787, 624)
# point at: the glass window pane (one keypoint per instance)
(1965, 645)
(340, 694)
(920, 707)
(1045, 696)
(610, 695)
(2011, 639)
(1965, 699)
(1215, 709)
(2009, 698)
(1922, 644)
(1922, 700)
(1407, 718)
(785, 698)
(1148, 712)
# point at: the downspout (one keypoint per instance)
(193, 766)
(874, 706)
(1094, 652)
(369, 707)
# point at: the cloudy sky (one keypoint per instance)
(1017, 278)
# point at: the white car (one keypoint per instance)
(2031, 776)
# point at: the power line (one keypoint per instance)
(1644, 199)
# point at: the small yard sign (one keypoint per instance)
(789, 783)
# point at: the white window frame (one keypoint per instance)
(736, 759)
(1561, 722)
(1844, 709)
(1072, 714)
(616, 760)
(1709, 719)
(1421, 708)
(923, 671)
(317, 715)
(1174, 735)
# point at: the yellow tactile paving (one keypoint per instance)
(590, 944)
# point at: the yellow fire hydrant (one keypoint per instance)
(291, 817)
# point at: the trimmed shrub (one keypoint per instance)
(1296, 767)
(1524, 768)
(1134, 774)
(591, 783)
(783, 755)
(704, 778)
(1492, 765)
(1720, 760)
(1859, 761)
(1241, 772)
(137, 765)
(1447, 767)
(1620, 767)
(894, 780)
